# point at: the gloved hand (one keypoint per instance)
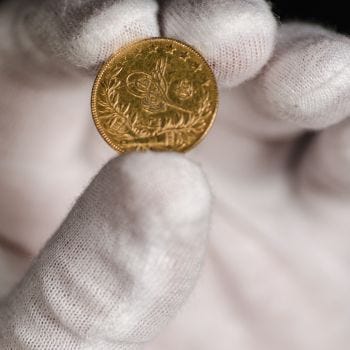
(129, 252)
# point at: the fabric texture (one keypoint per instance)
(219, 29)
(109, 270)
(67, 29)
(143, 217)
(313, 65)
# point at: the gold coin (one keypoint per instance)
(157, 94)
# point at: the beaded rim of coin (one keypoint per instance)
(118, 54)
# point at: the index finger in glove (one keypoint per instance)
(120, 265)
(236, 37)
(78, 33)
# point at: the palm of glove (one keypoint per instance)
(275, 274)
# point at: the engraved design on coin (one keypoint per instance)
(154, 94)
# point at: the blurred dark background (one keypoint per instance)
(333, 14)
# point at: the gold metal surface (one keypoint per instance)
(157, 94)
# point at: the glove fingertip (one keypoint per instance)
(307, 81)
(180, 187)
(237, 38)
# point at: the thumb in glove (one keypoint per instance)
(120, 265)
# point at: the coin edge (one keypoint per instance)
(104, 66)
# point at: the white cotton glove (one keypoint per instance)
(130, 250)
(276, 272)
